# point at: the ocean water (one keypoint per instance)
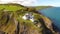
(53, 14)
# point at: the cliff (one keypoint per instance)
(11, 21)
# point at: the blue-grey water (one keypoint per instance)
(53, 14)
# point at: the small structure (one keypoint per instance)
(28, 16)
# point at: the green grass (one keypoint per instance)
(42, 7)
(16, 14)
(10, 7)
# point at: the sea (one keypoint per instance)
(52, 13)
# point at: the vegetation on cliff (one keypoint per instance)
(11, 21)
(42, 7)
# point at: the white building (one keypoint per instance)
(28, 16)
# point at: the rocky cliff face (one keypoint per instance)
(12, 23)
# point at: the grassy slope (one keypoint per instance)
(10, 27)
(10, 7)
(43, 7)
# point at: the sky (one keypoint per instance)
(33, 2)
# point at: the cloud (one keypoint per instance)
(22, 2)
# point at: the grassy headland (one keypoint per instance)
(11, 21)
